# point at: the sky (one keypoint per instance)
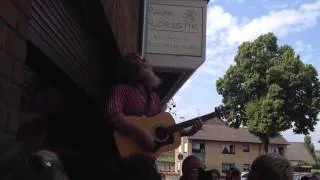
(231, 22)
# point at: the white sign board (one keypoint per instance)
(174, 29)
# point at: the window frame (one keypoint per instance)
(246, 148)
(232, 150)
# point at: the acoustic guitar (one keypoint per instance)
(164, 130)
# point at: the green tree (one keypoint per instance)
(309, 145)
(269, 90)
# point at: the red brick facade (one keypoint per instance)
(13, 29)
(124, 19)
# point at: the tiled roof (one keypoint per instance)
(217, 130)
(297, 151)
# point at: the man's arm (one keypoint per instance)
(114, 113)
(142, 138)
(188, 131)
(197, 125)
(121, 123)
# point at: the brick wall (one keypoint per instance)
(13, 28)
(123, 16)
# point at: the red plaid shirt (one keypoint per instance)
(132, 101)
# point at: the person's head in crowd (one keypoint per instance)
(210, 175)
(235, 174)
(190, 168)
(215, 174)
(309, 177)
(228, 175)
(16, 164)
(270, 166)
(137, 167)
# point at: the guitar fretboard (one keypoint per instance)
(188, 123)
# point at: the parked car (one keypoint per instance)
(244, 175)
(298, 175)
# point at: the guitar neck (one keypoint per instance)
(185, 124)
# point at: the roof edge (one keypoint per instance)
(192, 138)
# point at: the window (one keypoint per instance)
(198, 147)
(198, 150)
(165, 166)
(246, 148)
(245, 167)
(281, 151)
(185, 147)
(227, 167)
(228, 149)
(160, 166)
(278, 150)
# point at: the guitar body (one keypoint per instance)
(155, 126)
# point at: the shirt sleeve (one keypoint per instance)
(157, 102)
(115, 102)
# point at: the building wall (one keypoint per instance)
(13, 27)
(214, 158)
(166, 162)
(124, 18)
(171, 177)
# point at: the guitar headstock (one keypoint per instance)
(220, 112)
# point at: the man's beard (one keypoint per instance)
(149, 78)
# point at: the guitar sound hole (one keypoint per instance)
(161, 133)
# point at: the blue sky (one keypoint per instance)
(230, 22)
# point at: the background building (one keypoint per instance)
(166, 166)
(299, 156)
(221, 147)
(166, 162)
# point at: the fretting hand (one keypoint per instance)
(197, 125)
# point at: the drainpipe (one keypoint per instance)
(144, 24)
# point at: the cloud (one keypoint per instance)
(305, 50)
(237, 1)
(176, 98)
(225, 32)
(186, 113)
(275, 6)
(280, 22)
(187, 84)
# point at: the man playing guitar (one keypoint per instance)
(135, 96)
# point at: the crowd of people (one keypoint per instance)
(264, 167)
(46, 165)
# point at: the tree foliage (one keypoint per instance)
(309, 145)
(269, 90)
(171, 107)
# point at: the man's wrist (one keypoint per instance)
(183, 132)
